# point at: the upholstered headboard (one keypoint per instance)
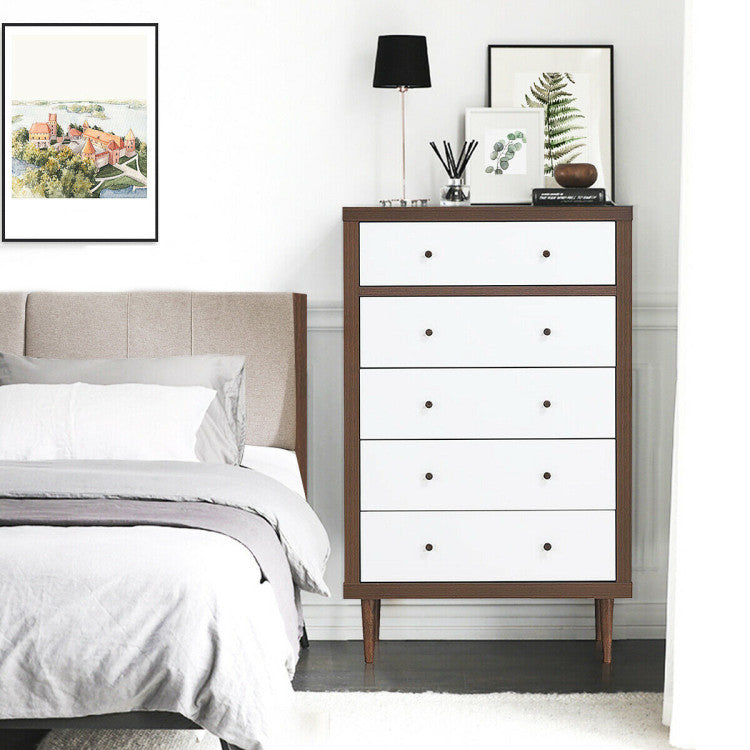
(269, 329)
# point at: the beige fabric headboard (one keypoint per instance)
(269, 329)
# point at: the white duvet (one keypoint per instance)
(72, 641)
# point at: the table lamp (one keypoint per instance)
(401, 63)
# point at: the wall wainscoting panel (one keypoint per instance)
(479, 619)
(654, 342)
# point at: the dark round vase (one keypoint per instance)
(575, 175)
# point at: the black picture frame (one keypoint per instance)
(6, 135)
(608, 47)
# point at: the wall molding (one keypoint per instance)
(655, 318)
(330, 317)
(484, 620)
(325, 317)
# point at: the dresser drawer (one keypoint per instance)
(487, 403)
(486, 253)
(487, 331)
(487, 475)
(488, 546)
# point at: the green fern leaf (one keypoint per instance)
(563, 151)
(540, 93)
(562, 108)
(569, 159)
(564, 123)
(564, 141)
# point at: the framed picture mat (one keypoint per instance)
(609, 48)
(493, 179)
(152, 139)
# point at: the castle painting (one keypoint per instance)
(83, 134)
(48, 169)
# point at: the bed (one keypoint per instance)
(128, 572)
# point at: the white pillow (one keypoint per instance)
(129, 422)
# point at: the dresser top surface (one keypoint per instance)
(489, 213)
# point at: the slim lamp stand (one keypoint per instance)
(401, 63)
(403, 90)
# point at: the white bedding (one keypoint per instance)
(107, 619)
(73, 591)
(278, 463)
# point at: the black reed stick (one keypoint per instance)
(449, 151)
(469, 153)
(455, 167)
(435, 149)
(461, 158)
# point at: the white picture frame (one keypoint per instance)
(108, 122)
(516, 70)
(509, 160)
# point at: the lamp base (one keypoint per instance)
(403, 202)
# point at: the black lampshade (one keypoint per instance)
(402, 61)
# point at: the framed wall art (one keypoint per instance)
(573, 86)
(509, 160)
(79, 132)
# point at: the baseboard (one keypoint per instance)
(548, 620)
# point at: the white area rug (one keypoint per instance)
(390, 721)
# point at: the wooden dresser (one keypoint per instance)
(487, 355)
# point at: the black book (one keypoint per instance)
(568, 196)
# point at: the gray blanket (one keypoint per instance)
(300, 531)
(248, 529)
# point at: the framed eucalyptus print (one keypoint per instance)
(509, 160)
(572, 86)
(79, 132)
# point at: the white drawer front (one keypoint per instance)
(487, 331)
(488, 546)
(487, 475)
(487, 403)
(486, 253)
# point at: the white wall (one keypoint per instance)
(296, 76)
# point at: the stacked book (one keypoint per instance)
(568, 197)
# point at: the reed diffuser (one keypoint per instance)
(455, 192)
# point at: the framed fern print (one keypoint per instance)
(509, 160)
(572, 86)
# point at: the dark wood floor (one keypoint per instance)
(483, 667)
(465, 667)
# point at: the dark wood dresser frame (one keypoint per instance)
(603, 592)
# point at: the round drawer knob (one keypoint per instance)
(429, 547)
(546, 331)
(428, 404)
(428, 476)
(428, 253)
(547, 546)
(428, 332)
(546, 253)
(547, 475)
(546, 404)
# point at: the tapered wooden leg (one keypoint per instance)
(606, 607)
(370, 627)
(377, 621)
(598, 618)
